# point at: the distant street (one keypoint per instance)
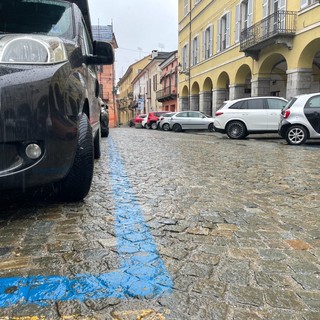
(176, 226)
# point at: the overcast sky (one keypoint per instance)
(140, 26)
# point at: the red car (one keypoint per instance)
(138, 118)
(153, 117)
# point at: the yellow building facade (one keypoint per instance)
(127, 104)
(230, 49)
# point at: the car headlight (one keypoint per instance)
(31, 49)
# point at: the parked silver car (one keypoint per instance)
(190, 120)
(164, 121)
(300, 119)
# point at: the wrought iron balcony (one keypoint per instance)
(169, 93)
(277, 28)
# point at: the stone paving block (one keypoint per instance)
(298, 244)
(246, 296)
(14, 263)
(284, 299)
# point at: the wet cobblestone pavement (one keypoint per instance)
(176, 226)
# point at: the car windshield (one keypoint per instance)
(52, 18)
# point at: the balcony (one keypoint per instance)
(277, 28)
(169, 93)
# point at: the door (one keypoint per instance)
(196, 120)
(254, 113)
(273, 112)
(312, 112)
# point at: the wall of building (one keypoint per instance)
(280, 69)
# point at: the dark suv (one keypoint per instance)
(153, 118)
(49, 108)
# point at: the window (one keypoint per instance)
(155, 83)
(195, 51)
(185, 57)
(253, 104)
(305, 3)
(223, 40)
(314, 102)
(195, 115)
(237, 105)
(182, 114)
(196, 2)
(276, 104)
(207, 43)
(186, 7)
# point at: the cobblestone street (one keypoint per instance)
(176, 226)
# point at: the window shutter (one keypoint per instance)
(219, 36)
(250, 13)
(237, 37)
(198, 49)
(210, 41)
(228, 30)
(204, 40)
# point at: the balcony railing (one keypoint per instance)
(168, 93)
(279, 27)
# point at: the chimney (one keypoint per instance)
(154, 54)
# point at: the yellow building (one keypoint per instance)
(126, 103)
(231, 49)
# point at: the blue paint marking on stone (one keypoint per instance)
(142, 272)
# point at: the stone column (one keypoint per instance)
(260, 87)
(237, 91)
(218, 97)
(206, 102)
(194, 102)
(184, 103)
(299, 81)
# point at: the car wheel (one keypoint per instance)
(296, 135)
(97, 145)
(166, 127)
(177, 127)
(76, 185)
(105, 132)
(147, 126)
(236, 130)
(210, 128)
(154, 126)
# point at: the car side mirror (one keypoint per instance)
(102, 54)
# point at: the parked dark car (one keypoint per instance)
(104, 119)
(49, 109)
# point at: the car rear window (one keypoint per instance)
(289, 104)
(276, 103)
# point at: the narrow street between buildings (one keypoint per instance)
(176, 226)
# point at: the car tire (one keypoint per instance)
(236, 130)
(296, 135)
(153, 126)
(147, 126)
(97, 145)
(104, 132)
(76, 185)
(210, 127)
(166, 127)
(177, 127)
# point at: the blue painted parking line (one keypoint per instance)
(142, 272)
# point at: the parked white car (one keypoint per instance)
(144, 123)
(238, 118)
(300, 119)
